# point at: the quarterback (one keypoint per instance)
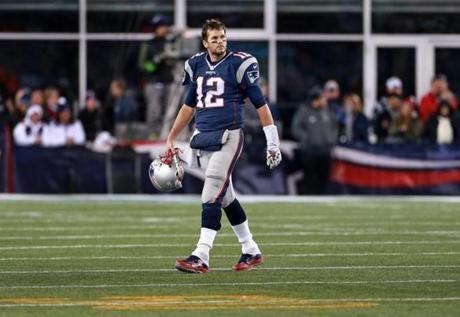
(218, 81)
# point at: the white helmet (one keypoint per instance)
(166, 172)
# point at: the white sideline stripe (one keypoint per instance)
(292, 255)
(261, 234)
(302, 301)
(369, 159)
(312, 268)
(156, 285)
(169, 245)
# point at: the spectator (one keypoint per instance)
(124, 105)
(331, 92)
(407, 126)
(157, 64)
(315, 127)
(52, 96)
(64, 130)
(394, 85)
(30, 130)
(439, 91)
(90, 116)
(356, 128)
(443, 127)
(384, 119)
(17, 111)
(37, 97)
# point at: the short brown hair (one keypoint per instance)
(211, 24)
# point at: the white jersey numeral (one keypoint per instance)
(213, 96)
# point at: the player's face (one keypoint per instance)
(216, 43)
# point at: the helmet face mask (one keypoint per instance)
(166, 172)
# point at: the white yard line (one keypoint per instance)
(327, 227)
(170, 245)
(261, 234)
(159, 285)
(311, 268)
(291, 255)
(183, 220)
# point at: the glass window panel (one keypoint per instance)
(234, 13)
(302, 65)
(39, 16)
(126, 15)
(398, 62)
(420, 16)
(112, 59)
(319, 16)
(448, 63)
(38, 64)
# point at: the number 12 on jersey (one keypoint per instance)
(212, 98)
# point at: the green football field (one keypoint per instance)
(364, 257)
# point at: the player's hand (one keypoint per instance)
(273, 157)
(170, 144)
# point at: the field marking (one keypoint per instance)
(291, 255)
(151, 302)
(308, 268)
(180, 302)
(180, 220)
(326, 226)
(170, 245)
(159, 285)
(214, 302)
(260, 234)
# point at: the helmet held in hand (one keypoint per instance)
(166, 172)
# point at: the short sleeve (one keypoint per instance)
(190, 96)
(248, 73)
(188, 74)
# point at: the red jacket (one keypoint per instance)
(429, 105)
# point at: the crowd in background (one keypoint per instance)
(45, 117)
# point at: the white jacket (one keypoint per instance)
(26, 132)
(57, 134)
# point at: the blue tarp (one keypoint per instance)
(59, 170)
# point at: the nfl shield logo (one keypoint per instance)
(253, 75)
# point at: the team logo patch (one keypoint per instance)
(253, 75)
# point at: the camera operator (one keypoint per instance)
(157, 64)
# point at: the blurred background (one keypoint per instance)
(364, 93)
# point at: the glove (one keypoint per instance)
(273, 157)
(273, 150)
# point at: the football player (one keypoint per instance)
(219, 80)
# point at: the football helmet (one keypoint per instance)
(166, 172)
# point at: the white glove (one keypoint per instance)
(273, 146)
(273, 157)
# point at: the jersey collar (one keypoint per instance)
(211, 66)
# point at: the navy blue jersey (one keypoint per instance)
(220, 88)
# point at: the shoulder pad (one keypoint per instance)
(242, 55)
(243, 60)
